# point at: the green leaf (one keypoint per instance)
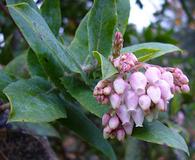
(31, 3)
(107, 68)
(84, 96)
(123, 10)
(79, 46)
(34, 65)
(4, 81)
(37, 129)
(18, 67)
(52, 55)
(133, 151)
(51, 12)
(151, 50)
(81, 125)
(156, 132)
(33, 101)
(101, 26)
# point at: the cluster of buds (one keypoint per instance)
(114, 127)
(102, 91)
(180, 81)
(118, 44)
(139, 91)
(125, 62)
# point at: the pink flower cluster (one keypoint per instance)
(135, 95)
(139, 91)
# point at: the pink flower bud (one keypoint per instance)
(154, 93)
(131, 100)
(116, 62)
(95, 92)
(152, 74)
(115, 100)
(105, 100)
(119, 85)
(107, 90)
(113, 122)
(168, 77)
(118, 36)
(138, 117)
(100, 91)
(106, 132)
(178, 71)
(105, 119)
(184, 79)
(185, 88)
(161, 105)
(128, 127)
(101, 84)
(138, 82)
(133, 57)
(120, 134)
(145, 102)
(165, 89)
(176, 89)
(127, 61)
(123, 114)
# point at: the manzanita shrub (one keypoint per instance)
(94, 72)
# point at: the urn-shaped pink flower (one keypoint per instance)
(138, 117)
(113, 122)
(128, 127)
(138, 82)
(131, 100)
(120, 134)
(115, 100)
(145, 102)
(123, 114)
(152, 74)
(168, 77)
(154, 93)
(105, 119)
(165, 89)
(119, 85)
(161, 105)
